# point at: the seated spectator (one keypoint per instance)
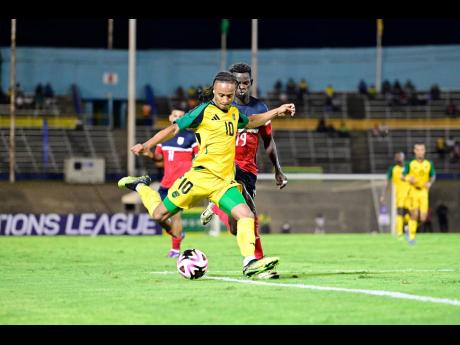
(321, 127)
(451, 109)
(362, 87)
(39, 97)
(49, 92)
(303, 87)
(450, 143)
(291, 87)
(379, 130)
(343, 131)
(441, 147)
(329, 91)
(435, 93)
(278, 87)
(386, 87)
(371, 92)
(180, 93)
(302, 90)
(331, 131)
(455, 154)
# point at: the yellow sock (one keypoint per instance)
(245, 236)
(399, 225)
(150, 198)
(412, 229)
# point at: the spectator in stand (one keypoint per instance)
(321, 127)
(329, 91)
(343, 131)
(435, 93)
(386, 87)
(371, 92)
(278, 87)
(455, 154)
(39, 96)
(441, 147)
(302, 91)
(451, 109)
(291, 88)
(450, 143)
(362, 87)
(331, 131)
(303, 87)
(396, 93)
(49, 92)
(49, 95)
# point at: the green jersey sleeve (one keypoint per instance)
(193, 118)
(432, 170)
(406, 169)
(243, 120)
(390, 172)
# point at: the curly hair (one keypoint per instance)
(223, 76)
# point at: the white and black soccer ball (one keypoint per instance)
(192, 264)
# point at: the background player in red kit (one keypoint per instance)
(177, 155)
(247, 144)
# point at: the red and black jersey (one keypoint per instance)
(177, 154)
(247, 141)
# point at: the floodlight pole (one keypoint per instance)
(254, 47)
(12, 148)
(223, 51)
(110, 34)
(378, 62)
(131, 95)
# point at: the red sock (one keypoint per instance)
(176, 242)
(259, 253)
(222, 215)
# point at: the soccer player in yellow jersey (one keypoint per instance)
(215, 123)
(421, 175)
(401, 188)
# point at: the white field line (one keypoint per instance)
(391, 294)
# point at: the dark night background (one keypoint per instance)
(205, 33)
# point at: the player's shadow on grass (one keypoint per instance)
(360, 274)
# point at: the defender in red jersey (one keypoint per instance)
(247, 144)
(177, 155)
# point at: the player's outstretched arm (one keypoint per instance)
(270, 149)
(260, 119)
(162, 136)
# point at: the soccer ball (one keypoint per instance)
(192, 264)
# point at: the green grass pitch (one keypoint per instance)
(128, 280)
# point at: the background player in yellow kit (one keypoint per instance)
(401, 188)
(420, 173)
(215, 123)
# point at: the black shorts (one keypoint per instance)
(163, 192)
(248, 179)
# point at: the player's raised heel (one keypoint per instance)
(206, 215)
(259, 266)
(131, 182)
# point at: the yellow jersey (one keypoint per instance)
(215, 132)
(394, 175)
(421, 171)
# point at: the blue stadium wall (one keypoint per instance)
(165, 70)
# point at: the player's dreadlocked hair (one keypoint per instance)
(224, 76)
(241, 68)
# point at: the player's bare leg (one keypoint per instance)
(177, 236)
